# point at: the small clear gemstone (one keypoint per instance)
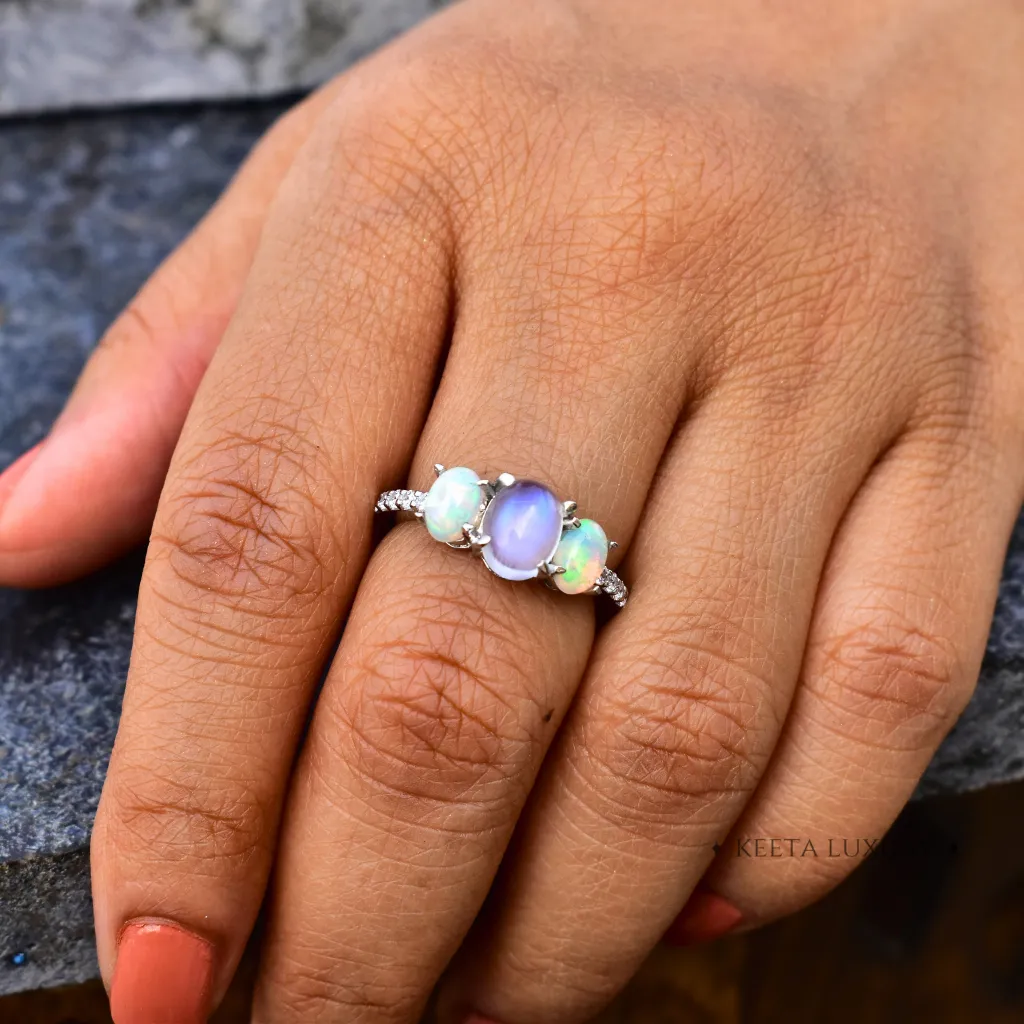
(524, 522)
(453, 500)
(583, 552)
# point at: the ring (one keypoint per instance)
(518, 527)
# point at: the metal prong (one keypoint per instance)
(612, 545)
(506, 479)
(569, 507)
(550, 569)
(477, 540)
(483, 483)
(418, 513)
(571, 523)
(438, 469)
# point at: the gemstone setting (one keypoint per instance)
(534, 535)
(523, 522)
(453, 501)
(582, 552)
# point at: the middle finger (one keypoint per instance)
(449, 682)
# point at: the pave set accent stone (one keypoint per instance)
(611, 585)
(402, 500)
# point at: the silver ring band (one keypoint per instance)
(518, 527)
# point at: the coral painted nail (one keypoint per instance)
(163, 975)
(706, 916)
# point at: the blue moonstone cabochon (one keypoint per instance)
(453, 500)
(524, 522)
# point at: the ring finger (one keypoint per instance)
(449, 682)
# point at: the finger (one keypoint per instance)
(683, 701)
(313, 401)
(449, 682)
(893, 656)
(88, 491)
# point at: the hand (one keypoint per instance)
(748, 283)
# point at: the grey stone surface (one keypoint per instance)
(62, 53)
(87, 207)
(987, 744)
(46, 922)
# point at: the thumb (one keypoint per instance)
(88, 491)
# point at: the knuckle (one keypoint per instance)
(957, 402)
(892, 682)
(834, 282)
(688, 723)
(142, 323)
(423, 726)
(154, 316)
(753, 175)
(243, 526)
(183, 817)
(391, 149)
(439, 708)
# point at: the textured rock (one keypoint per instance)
(87, 207)
(63, 53)
(46, 922)
(987, 744)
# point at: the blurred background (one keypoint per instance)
(120, 122)
(930, 929)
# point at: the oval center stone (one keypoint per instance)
(453, 500)
(524, 522)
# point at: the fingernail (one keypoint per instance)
(163, 975)
(705, 917)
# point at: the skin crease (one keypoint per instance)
(744, 280)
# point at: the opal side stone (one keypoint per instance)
(524, 522)
(582, 552)
(453, 500)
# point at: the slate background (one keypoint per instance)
(56, 54)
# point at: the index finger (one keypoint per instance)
(313, 402)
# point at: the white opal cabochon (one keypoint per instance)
(582, 552)
(453, 500)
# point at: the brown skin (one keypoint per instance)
(748, 283)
